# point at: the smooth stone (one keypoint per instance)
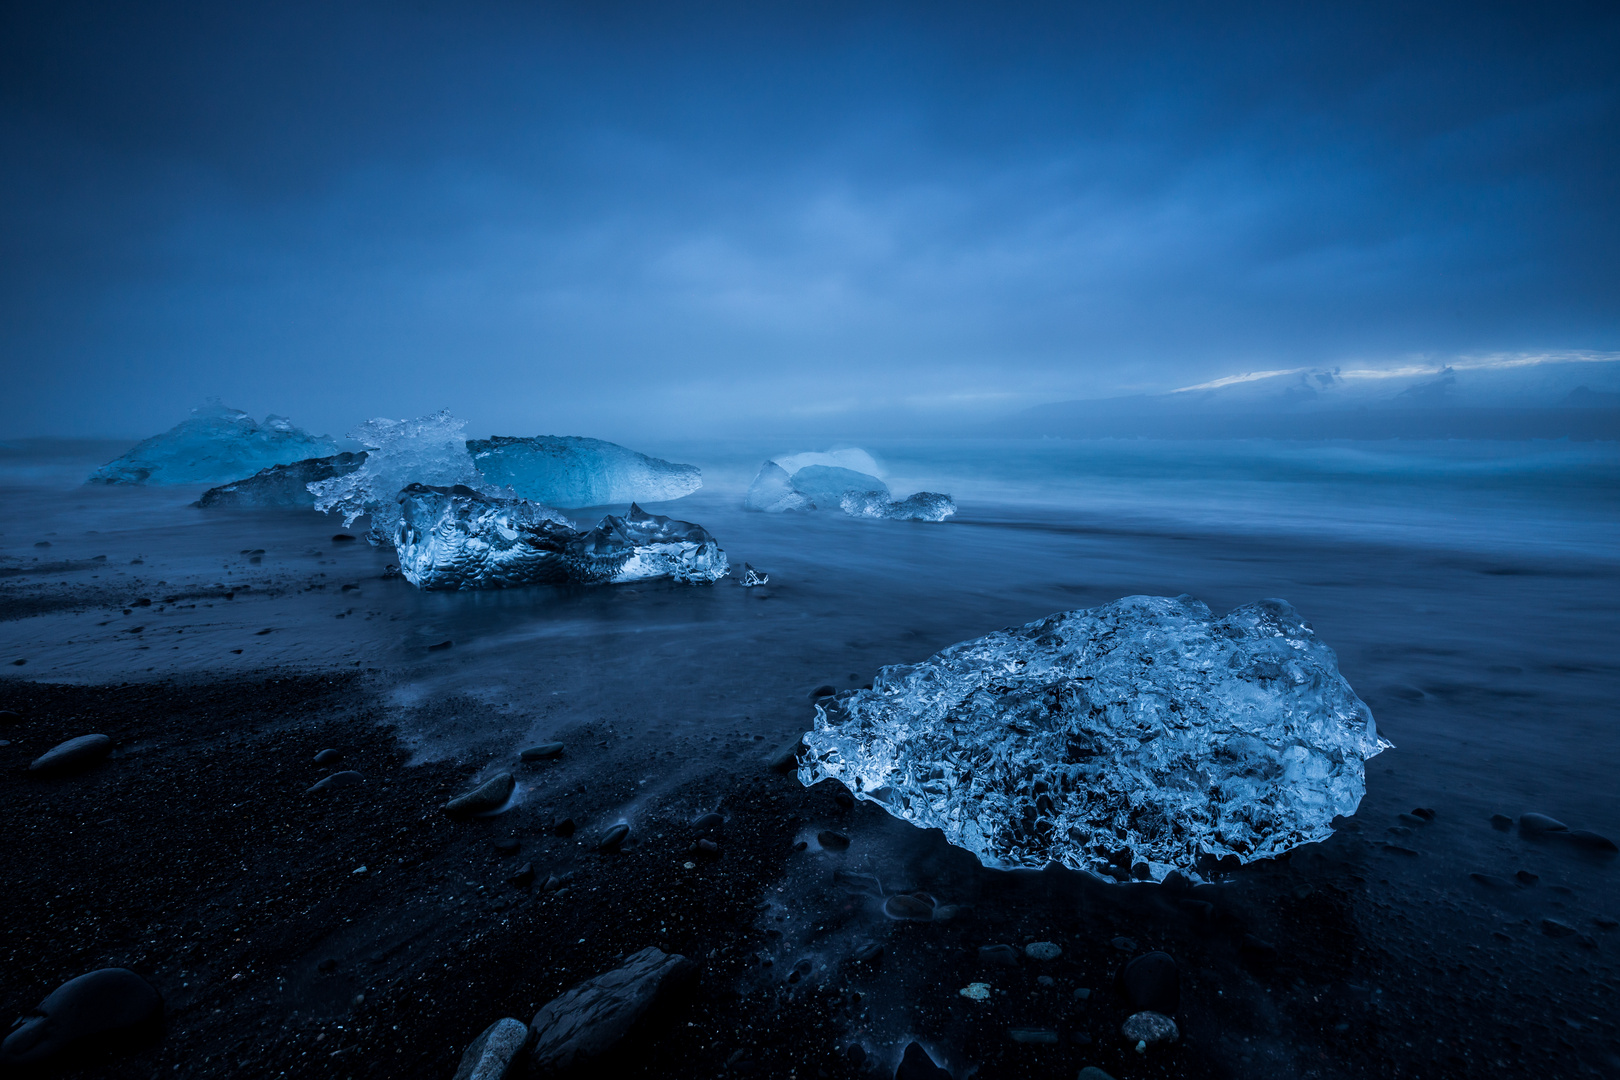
(95, 1011)
(1043, 950)
(822, 691)
(72, 756)
(494, 1054)
(590, 1020)
(867, 953)
(614, 836)
(1540, 823)
(1423, 812)
(346, 778)
(523, 876)
(786, 757)
(1091, 1072)
(1124, 944)
(328, 757)
(1501, 822)
(1150, 1028)
(832, 841)
(707, 848)
(490, 795)
(1004, 955)
(903, 906)
(1591, 841)
(1033, 1035)
(1152, 984)
(564, 825)
(1554, 928)
(543, 752)
(705, 822)
(7, 716)
(341, 538)
(915, 1064)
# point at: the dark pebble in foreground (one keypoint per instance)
(614, 837)
(1540, 823)
(543, 752)
(507, 845)
(1152, 984)
(1501, 822)
(908, 907)
(1423, 812)
(705, 822)
(1525, 877)
(786, 757)
(1591, 841)
(822, 691)
(328, 757)
(706, 848)
(1004, 955)
(441, 646)
(94, 1012)
(917, 1065)
(523, 876)
(493, 1055)
(73, 756)
(490, 795)
(9, 717)
(341, 538)
(564, 825)
(346, 778)
(594, 1017)
(832, 841)
(1554, 928)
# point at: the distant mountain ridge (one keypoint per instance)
(1574, 396)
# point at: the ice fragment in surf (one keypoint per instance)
(824, 485)
(1143, 731)
(427, 450)
(753, 578)
(923, 506)
(282, 485)
(772, 492)
(570, 471)
(214, 445)
(458, 538)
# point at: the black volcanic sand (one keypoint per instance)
(196, 857)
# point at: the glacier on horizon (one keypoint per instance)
(1132, 739)
(214, 445)
(456, 537)
(572, 471)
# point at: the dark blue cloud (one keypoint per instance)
(598, 217)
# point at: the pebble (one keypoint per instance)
(73, 756)
(490, 795)
(705, 822)
(1046, 980)
(1043, 950)
(589, 1021)
(915, 1064)
(902, 906)
(1042, 1036)
(92, 1012)
(1554, 928)
(1152, 984)
(1004, 955)
(1540, 823)
(493, 1054)
(1591, 841)
(508, 845)
(822, 691)
(1423, 812)
(1147, 1028)
(1525, 877)
(832, 841)
(543, 752)
(843, 800)
(615, 836)
(341, 538)
(1082, 994)
(9, 717)
(346, 778)
(328, 757)
(524, 875)
(786, 757)
(1124, 944)
(707, 848)
(564, 825)
(1091, 1072)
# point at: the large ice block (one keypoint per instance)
(570, 471)
(825, 485)
(427, 450)
(458, 538)
(214, 445)
(1144, 734)
(282, 485)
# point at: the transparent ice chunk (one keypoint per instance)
(772, 492)
(824, 485)
(752, 577)
(282, 485)
(214, 445)
(456, 537)
(843, 478)
(427, 450)
(570, 471)
(923, 506)
(1141, 734)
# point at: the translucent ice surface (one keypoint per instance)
(772, 492)
(825, 485)
(923, 506)
(214, 445)
(282, 485)
(427, 450)
(569, 471)
(1144, 734)
(458, 538)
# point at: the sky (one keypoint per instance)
(677, 219)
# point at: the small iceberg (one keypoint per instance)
(843, 478)
(1128, 740)
(428, 450)
(215, 445)
(571, 471)
(456, 537)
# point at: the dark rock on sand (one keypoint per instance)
(1501, 822)
(9, 717)
(100, 1011)
(490, 795)
(1152, 984)
(832, 841)
(1540, 824)
(822, 691)
(707, 822)
(588, 1022)
(786, 757)
(524, 875)
(614, 837)
(1554, 928)
(564, 825)
(73, 756)
(1525, 877)
(1004, 955)
(328, 757)
(507, 845)
(494, 1054)
(1591, 841)
(1150, 1028)
(902, 906)
(543, 752)
(346, 778)
(917, 1065)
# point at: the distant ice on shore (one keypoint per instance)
(215, 445)
(843, 478)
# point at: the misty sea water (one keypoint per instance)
(1470, 590)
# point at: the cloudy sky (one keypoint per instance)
(611, 218)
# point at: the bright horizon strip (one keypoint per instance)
(1496, 361)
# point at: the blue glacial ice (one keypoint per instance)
(846, 479)
(1142, 735)
(456, 537)
(570, 471)
(773, 493)
(282, 485)
(214, 445)
(923, 506)
(824, 485)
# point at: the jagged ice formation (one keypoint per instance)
(923, 506)
(1144, 733)
(214, 445)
